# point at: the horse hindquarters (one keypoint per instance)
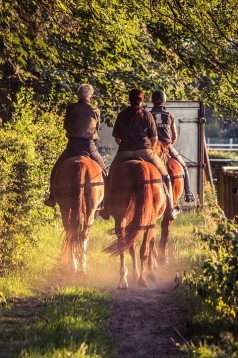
(75, 192)
(137, 199)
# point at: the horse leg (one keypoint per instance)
(144, 253)
(132, 251)
(123, 284)
(69, 251)
(83, 251)
(119, 228)
(165, 233)
(83, 242)
(152, 263)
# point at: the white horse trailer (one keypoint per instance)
(190, 123)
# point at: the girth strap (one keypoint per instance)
(92, 184)
(181, 176)
(152, 181)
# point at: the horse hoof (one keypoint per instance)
(163, 263)
(151, 276)
(79, 274)
(142, 283)
(123, 285)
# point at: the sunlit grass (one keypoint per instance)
(65, 323)
(42, 258)
(222, 154)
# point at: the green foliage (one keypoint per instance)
(28, 148)
(188, 48)
(55, 47)
(219, 285)
(200, 38)
(213, 280)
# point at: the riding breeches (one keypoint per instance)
(147, 154)
(175, 155)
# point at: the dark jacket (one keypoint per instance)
(163, 120)
(82, 120)
(134, 135)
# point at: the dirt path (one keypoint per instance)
(145, 323)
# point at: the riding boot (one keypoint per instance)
(173, 212)
(189, 196)
(50, 201)
(104, 213)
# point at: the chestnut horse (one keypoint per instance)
(78, 189)
(176, 173)
(137, 200)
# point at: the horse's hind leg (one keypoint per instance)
(152, 263)
(165, 232)
(123, 284)
(133, 253)
(83, 242)
(144, 253)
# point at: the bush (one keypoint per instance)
(28, 148)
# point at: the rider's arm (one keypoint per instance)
(174, 133)
(66, 118)
(153, 140)
(118, 140)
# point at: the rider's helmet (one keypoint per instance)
(159, 97)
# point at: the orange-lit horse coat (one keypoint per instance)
(78, 189)
(137, 200)
(176, 173)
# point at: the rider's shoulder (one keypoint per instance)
(146, 112)
(71, 105)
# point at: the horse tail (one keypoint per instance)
(77, 213)
(140, 216)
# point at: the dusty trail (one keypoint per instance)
(145, 323)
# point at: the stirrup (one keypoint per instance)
(174, 212)
(189, 197)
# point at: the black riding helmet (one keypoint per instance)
(158, 97)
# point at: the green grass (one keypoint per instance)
(68, 319)
(223, 155)
(65, 323)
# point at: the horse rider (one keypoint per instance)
(135, 133)
(81, 123)
(167, 135)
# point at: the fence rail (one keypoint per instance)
(230, 146)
